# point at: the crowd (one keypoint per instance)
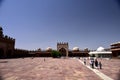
(94, 63)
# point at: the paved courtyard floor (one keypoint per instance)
(50, 69)
(110, 67)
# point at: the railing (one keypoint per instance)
(114, 47)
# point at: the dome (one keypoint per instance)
(48, 49)
(100, 49)
(39, 49)
(75, 49)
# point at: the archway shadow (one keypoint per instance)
(63, 51)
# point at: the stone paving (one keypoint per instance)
(45, 69)
(110, 67)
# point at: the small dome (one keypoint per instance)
(48, 49)
(100, 49)
(75, 49)
(39, 49)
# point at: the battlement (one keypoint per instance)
(62, 43)
(5, 37)
(9, 38)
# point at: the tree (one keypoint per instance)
(56, 54)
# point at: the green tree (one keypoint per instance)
(56, 54)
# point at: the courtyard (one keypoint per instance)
(54, 69)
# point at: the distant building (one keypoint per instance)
(63, 48)
(7, 49)
(6, 45)
(20, 53)
(115, 48)
(101, 53)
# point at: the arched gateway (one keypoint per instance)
(63, 48)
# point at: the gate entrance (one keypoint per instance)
(63, 48)
(62, 51)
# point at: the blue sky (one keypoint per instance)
(42, 23)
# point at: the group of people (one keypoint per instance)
(94, 63)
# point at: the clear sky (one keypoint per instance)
(42, 23)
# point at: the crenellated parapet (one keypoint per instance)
(62, 43)
(5, 38)
(9, 38)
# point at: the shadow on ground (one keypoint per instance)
(1, 77)
(3, 61)
(118, 75)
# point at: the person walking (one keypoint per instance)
(96, 63)
(44, 59)
(100, 65)
(84, 61)
(92, 63)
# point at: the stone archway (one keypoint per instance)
(1, 53)
(62, 51)
(63, 48)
